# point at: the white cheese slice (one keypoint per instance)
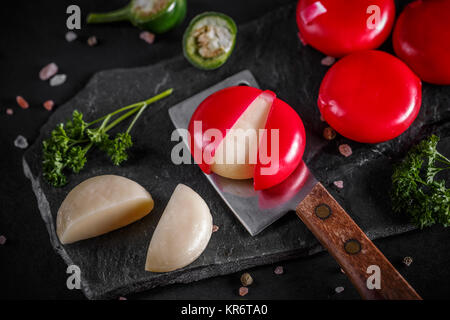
(236, 155)
(99, 205)
(182, 234)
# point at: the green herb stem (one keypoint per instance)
(131, 106)
(160, 96)
(86, 149)
(121, 118)
(144, 104)
(105, 122)
(443, 159)
(136, 117)
(74, 142)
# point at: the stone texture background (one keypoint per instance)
(112, 264)
(33, 35)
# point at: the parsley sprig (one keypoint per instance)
(415, 190)
(68, 144)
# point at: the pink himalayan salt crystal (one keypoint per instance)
(215, 228)
(49, 105)
(329, 133)
(48, 71)
(345, 150)
(2, 240)
(22, 102)
(312, 11)
(58, 80)
(339, 289)
(339, 184)
(407, 261)
(21, 142)
(92, 41)
(9, 111)
(71, 36)
(147, 37)
(243, 291)
(328, 61)
(278, 270)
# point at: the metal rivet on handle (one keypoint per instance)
(323, 211)
(352, 246)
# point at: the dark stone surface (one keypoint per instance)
(113, 264)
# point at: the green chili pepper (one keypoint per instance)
(209, 40)
(157, 16)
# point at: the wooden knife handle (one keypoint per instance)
(351, 248)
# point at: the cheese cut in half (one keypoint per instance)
(242, 132)
(99, 205)
(236, 155)
(182, 234)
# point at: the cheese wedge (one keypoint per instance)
(182, 234)
(99, 205)
(236, 155)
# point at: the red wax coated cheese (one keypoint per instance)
(422, 39)
(338, 28)
(370, 96)
(283, 132)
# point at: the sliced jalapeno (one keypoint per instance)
(209, 40)
(157, 16)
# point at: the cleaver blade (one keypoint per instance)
(256, 210)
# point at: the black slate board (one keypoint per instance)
(113, 264)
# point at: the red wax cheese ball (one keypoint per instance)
(370, 96)
(223, 109)
(422, 39)
(338, 28)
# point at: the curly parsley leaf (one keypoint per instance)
(117, 148)
(97, 136)
(75, 128)
(416, 191)
(76, 158)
